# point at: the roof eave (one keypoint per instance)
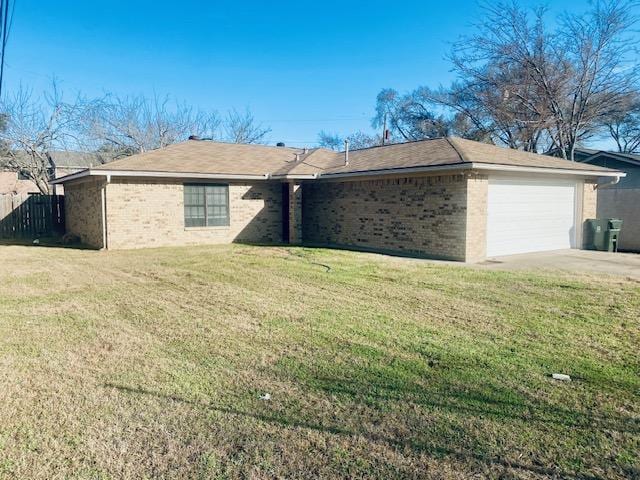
(300, 176)
(362, 173)
(155, 174)
(563, 171)
(476, 166)
(397, 171)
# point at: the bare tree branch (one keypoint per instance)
(32, 129)
(243, 128)
(122, 126)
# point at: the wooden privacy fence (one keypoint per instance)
(31, 216)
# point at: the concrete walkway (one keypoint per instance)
(622, 264)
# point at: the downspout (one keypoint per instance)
(103, 195)
(602, 181)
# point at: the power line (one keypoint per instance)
(5, 26)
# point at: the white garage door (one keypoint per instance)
(530, 215)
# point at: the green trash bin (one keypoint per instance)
(596, 234)
(614, 225)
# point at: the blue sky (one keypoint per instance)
(300, 66)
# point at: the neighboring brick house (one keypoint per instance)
(12, 183)
(620, 200)
(443, 198)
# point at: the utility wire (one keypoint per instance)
(5, 26)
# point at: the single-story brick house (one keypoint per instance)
(443, 198)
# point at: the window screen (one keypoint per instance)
(206, 205)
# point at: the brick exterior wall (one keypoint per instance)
(476, 233)
(423, 216)
(151, 214)
(589, 206)
(295, 213)
(83, 212)
(442, 216)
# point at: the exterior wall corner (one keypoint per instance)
(295, 213)
(588, 209)
(476, 221)
(83, 212)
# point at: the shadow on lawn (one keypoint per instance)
(286, 421)
(527, 409)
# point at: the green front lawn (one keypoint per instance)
(151, 363)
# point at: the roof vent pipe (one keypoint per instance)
(346, 153)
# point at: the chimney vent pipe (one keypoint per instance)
(346, 153)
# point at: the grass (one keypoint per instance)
(144, 364)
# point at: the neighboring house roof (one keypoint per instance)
(69, 160)
(72, 159)
(207, 159)
(588, 154)
(64, 162)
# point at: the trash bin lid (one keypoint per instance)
(615, 224)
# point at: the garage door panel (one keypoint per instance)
(530, 215)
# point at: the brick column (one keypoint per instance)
(589, 210)
(295, 213)
(476, 226)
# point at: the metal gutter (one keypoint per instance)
(71, 176)
(361, 173)
(564, 171)
(394, 171)
(474, 166)
(306, 176)
(151, 174)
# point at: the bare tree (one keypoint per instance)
(534, 85)
(361, 139)
(410, 116)
(243, 128)
(624, 126)
(33, 128)
(332, 141)
(123, 126)
(356, 140)
(599, 48)
(495, 90)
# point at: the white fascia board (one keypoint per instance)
(475, 166)
(152, 174)
(396, 171)
(314, 176)
(564, 171)
(306, 176)
(71, 176)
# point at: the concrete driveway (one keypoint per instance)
(622, 264)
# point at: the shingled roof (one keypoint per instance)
(202, 159)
